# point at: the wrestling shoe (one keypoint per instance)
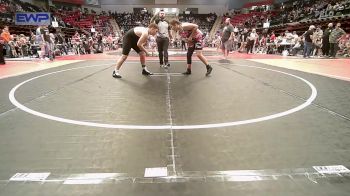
(209, 69)
(116, 75)
(146, 72)
(188, 72)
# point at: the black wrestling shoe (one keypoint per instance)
(116, 75)
(188, 72)
(146, 72)
(168, 64)
(209, 69)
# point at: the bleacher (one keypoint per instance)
(128, 21)
(204, 21)
(252, 19)
(313, 12)
(72, 20)
(295, 15)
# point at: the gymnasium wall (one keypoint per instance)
(202, 9)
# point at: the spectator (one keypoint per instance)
(13, 46)
(243, 39)
(183, 44)
(308, 41)
(227, 37)
(6, 36)
(325, 40)
(297, 47)
(61, 43)
(2, 60)
(39, 39)
(100, 43)
(334, 39)
(251, 41)
(317, 41)
(295, 37)
(23, 47)
(272, 37)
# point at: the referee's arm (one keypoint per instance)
(155, 17)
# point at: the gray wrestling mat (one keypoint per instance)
(248, 129)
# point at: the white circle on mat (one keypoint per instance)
(161, 127)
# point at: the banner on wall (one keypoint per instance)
(33, 18)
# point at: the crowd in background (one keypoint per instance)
(318, 42)
(94, 34)
(127, 21)
(47, 42)
(289, 12)
(44, 44)
(204, 21)
(312, 9)
(287, 43)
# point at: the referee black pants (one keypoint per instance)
(163, 45)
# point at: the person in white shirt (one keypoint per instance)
(295, 37)
(251, 41)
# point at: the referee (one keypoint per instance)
(163, 38)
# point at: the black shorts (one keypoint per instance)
(196, 45)
(130, 41)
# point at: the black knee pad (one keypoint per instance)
(189, 55)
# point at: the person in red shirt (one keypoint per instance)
(272, 37)
(6, 36)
